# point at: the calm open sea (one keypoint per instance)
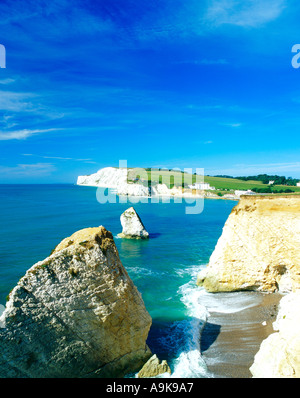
(35, 218)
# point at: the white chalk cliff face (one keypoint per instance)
(259, 247)
(111, 177)
(259, 250)
(108, 177)
(279, 354)
(75, 314)
(133, 190)
(133, 228)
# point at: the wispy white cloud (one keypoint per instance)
(16, 101)
(7, 81)
(246, 13)
(24, 108)
(24, 170)
(204, 61)
(234, 125)
(43, 13)
(21, 134)
(88, 160)
(212, 62)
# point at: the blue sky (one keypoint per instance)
(163, 83)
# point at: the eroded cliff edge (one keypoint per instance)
(259, 247)
(279, 353)
(75, 314)
(259, 250)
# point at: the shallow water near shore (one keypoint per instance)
(35, 218)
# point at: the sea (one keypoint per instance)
(35, 218)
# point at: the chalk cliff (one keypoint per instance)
(121, 180)
(259, 247)
(112, 177)
(75, 314)
(279, 354)
(108, 177)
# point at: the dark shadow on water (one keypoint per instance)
(209, 335)
(168, 340)
(154, 235)
(164, 340)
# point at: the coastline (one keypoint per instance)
(236, 329)
(230, 340)
(183, 195)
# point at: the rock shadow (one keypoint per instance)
(168, 338)
(209, 335)
(153, 235)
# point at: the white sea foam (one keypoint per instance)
(227, 303)
(2, 323)
(190, 362)
(184, 336)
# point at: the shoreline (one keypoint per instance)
(230, 340)
(170, 196)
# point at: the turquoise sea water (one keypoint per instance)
(35, 218)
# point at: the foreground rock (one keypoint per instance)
(75, 314)
(259, 247)
(133, 228)
(154, 367)
(279, 354)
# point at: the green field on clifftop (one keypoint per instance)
(220, 183)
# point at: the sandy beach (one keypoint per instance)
(232, 337)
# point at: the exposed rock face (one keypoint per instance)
(160, 189)
(133, 228)
(75, 314)
(112, 177)
(108, 177)
(279, 354)
(259, 247)
(154, 367)
(133, 190)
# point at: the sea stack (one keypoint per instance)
(133, 228)
(75, 314)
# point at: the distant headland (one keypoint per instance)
(175, 183)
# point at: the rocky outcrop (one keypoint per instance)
(154, 367)
(133, 228)
(259, 247)
(75, 314)
(279, 354)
